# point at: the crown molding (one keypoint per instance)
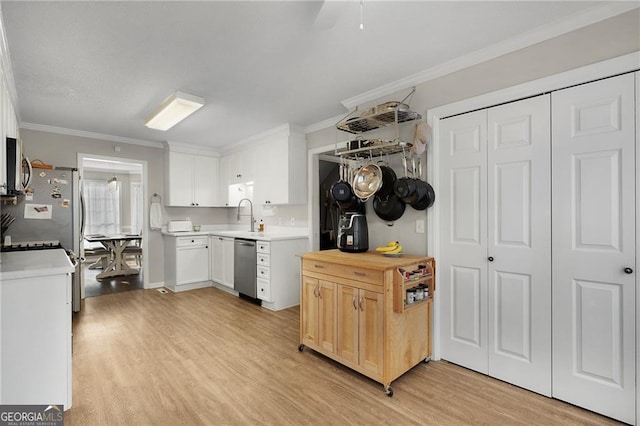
(577, 21)
(284, 129)
(329, 122)
(191, 149)
(90, 135)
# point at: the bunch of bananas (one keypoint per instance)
(392, 248)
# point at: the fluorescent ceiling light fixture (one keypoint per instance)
(173, 110)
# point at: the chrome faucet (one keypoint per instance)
(252, 219)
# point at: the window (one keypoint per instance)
(102, 215)
(136, 207)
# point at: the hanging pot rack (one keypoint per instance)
(386, 114)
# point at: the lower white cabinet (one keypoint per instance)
(278, 272)
(186, 262)
(35, 336)
(222, 260)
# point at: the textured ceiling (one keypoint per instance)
(102, 67)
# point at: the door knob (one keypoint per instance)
(628, 271)
(490, 258)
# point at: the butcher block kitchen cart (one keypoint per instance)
(355, 309)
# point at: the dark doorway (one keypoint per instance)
(329, 211)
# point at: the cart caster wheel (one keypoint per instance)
(427, 359)
(388, 391)
(300, 347)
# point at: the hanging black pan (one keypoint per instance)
(389, 208)
(341, 190)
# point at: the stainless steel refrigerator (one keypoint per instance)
(51, 210)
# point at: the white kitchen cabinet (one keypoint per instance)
(186, 262)
(278, 272)
(222, 260)
(8, 128)
(281, 168)
(191, 179)
(35, 328)
(236, 177)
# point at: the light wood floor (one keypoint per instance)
(206, 357)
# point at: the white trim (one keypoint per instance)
(610, 67)
(90, 135)
(529, 38)
(284, 129)
(145, 204)
(637, 265)
(329, 122)
(191, 149)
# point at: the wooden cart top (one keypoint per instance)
(369, 259)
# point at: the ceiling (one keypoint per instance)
(102, 67)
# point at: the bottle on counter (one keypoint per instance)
(261, 226)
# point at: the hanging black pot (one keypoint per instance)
(388, 208)
(388, 179)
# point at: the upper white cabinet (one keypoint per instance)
(236, 177)
(269, 170)
(280, 168)
(8, 128)
(191, 179)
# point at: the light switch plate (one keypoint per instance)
(419, 226)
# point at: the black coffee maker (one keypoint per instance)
(353, 233)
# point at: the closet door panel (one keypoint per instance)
(519, 242)
(463, 267)
(594, 186)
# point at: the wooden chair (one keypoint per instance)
(134, 250)
(99, 255)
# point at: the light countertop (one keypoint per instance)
(36, 263)
(272, 234)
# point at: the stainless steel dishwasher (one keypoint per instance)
(244, 268)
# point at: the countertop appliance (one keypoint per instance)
(50, 215)
(179, 226)
(353, 233)
(245, 269)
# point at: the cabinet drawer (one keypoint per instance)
(264, 259)
(200, 240)
(264, 272)
(264, 289)
(349, 272)
(263, 247)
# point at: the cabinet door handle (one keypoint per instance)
(359, 274)
(490, 258)
(353, 300)
(360, 303)
(628, 271)
(318, 266)
(315, 291)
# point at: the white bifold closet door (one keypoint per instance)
(594, 246)
(495, 266)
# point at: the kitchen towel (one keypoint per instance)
(155, 216)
